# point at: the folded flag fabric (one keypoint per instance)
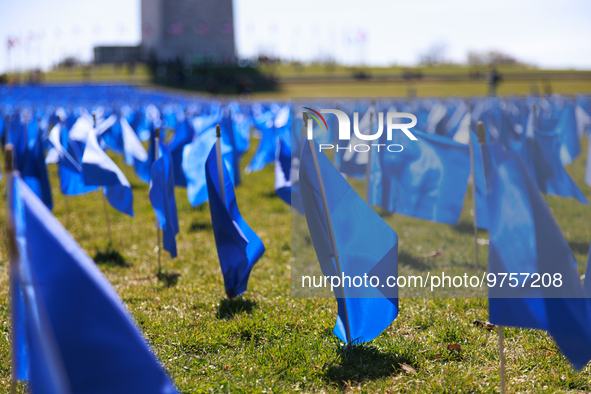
(163, 201)
(364, 243)
(69, 169)
(98, 169)
(194, 158)
(238, 246)
(428, 179)
(73, 334)
(525, 240)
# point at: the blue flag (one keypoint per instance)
(194, 158)
(426, 180)
(35, 171)
(545, 164)
(526, 241)
(69, 169)
(73, 333)
(183, 135)
(98, 169)
(366, 246)
(283, 168)
(265, 153)
(163, 201)
(229, 136)
(239, 248)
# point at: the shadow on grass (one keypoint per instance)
(197, 226)
(229, 307)
(168, 278)
(110, 256)
(270, 194)
(139, 185)
(405, 258)
(359, 363)
(464, 228)
(579, 247)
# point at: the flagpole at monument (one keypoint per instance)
(103, 192)
(331, 236)
(481, 133)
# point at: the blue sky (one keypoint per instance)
(555, 34)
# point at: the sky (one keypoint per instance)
(547, 33)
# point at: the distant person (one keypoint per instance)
(495, 78)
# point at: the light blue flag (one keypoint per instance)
(163, 201)
(365, 243)
(238, 246)
(74, 335)
(426, 180)
(98, 169)
(194, 158)
(69, 169)
(526, 242)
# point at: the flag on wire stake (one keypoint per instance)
(238, 246)
(98, 169)
(526, 241)
(163, 200)
(71, 334)
(341, 224)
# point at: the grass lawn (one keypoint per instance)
(267, 341)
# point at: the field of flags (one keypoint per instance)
(70, 332)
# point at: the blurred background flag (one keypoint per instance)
(238, 246)
(69, 170)
(98, 169)
(34, 172)
(350, 239)
(183, 135)
(194, 158)
(426, 180)
(76, 336)
(163, 201)
(525, 239)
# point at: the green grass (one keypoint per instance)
(267, 341)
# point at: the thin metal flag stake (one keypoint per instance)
(220, 163)
(481, 132)
(13, 258)
(103, 190)
(158, 231)
(473, 174)
(329, 226)
(368, 169)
